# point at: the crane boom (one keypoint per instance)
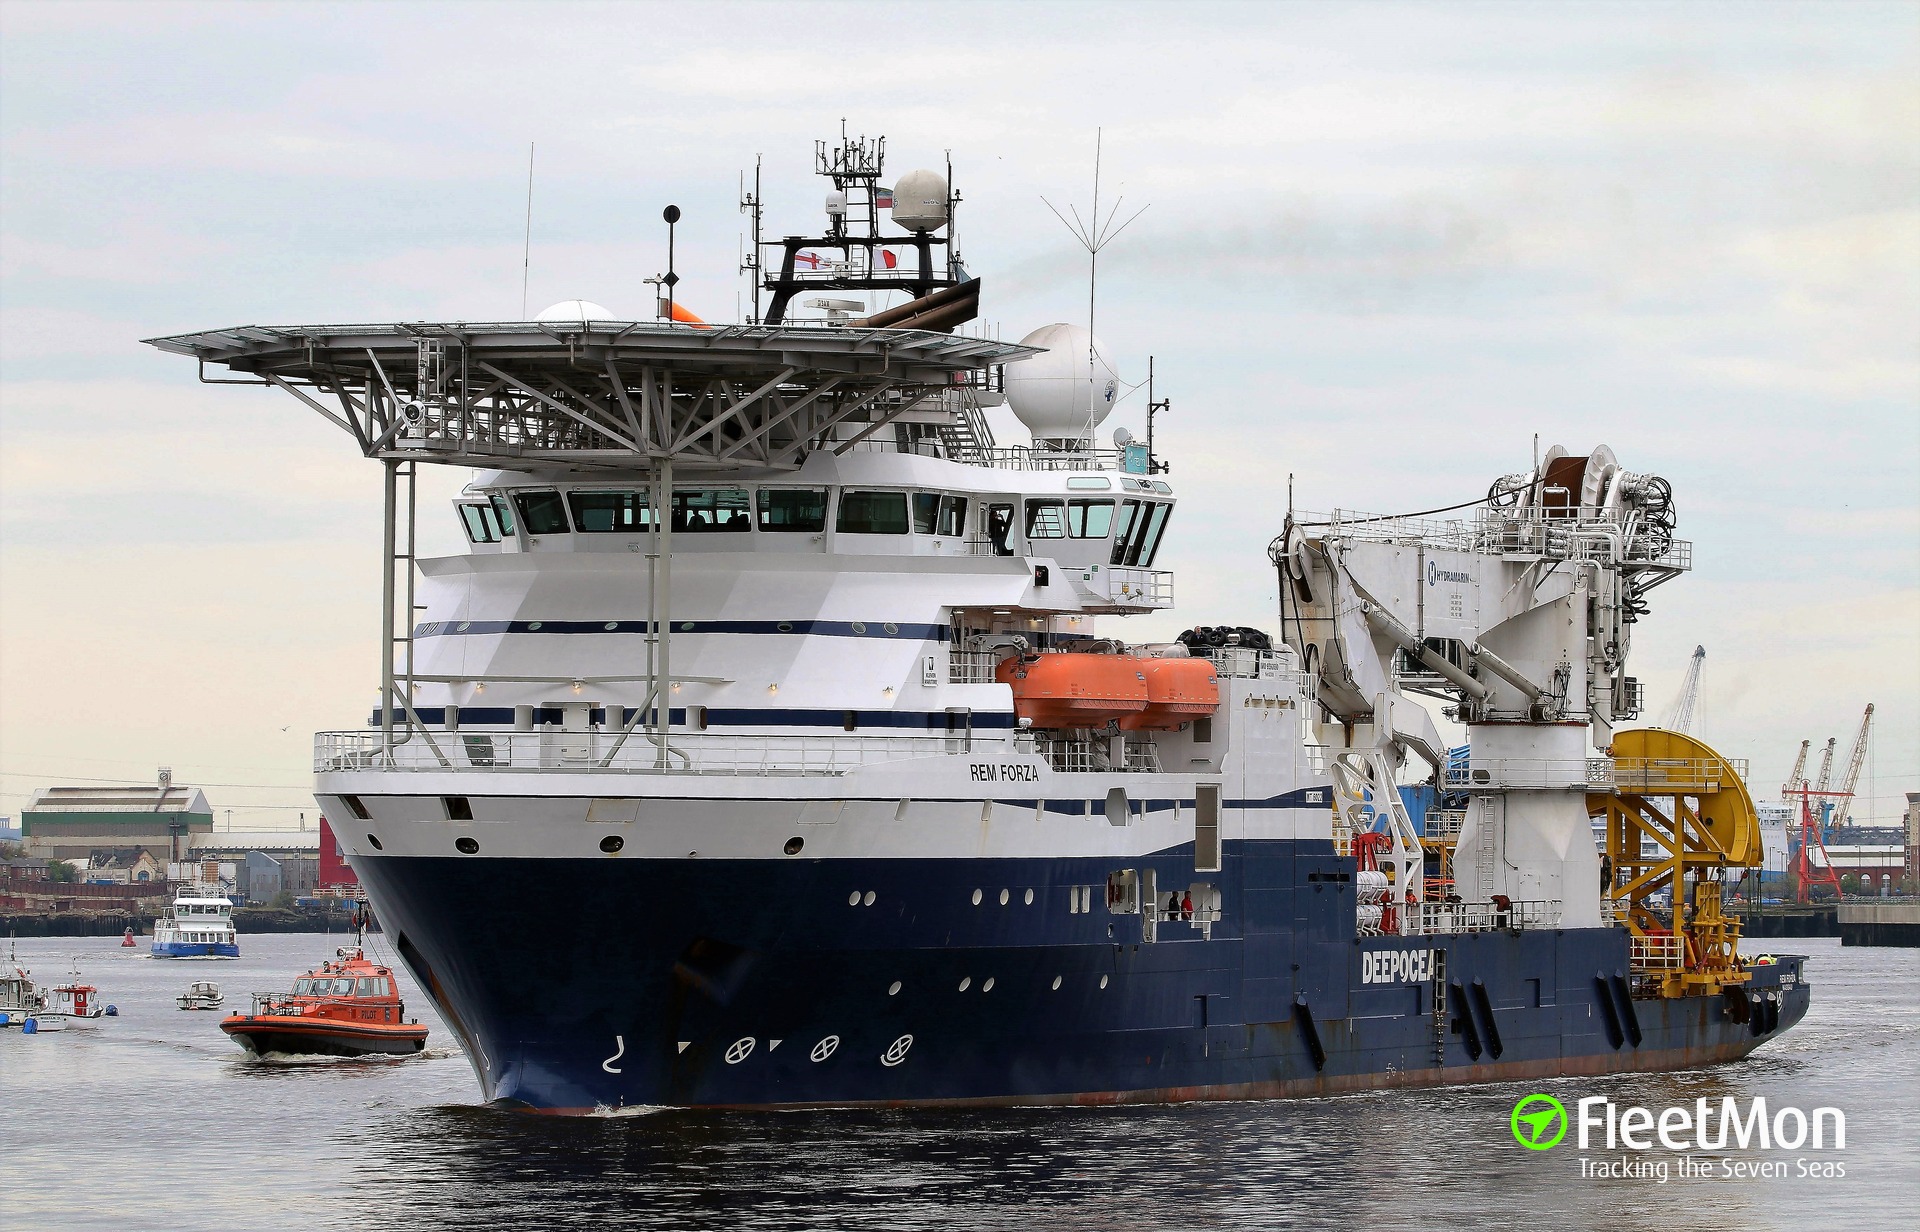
(1826, 768)
(1845, 805)
(1680, 718)
(1799, 770)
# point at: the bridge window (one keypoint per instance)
(1046, 519)
(610, 513)
(503, 513)
(1138, 536)
(481, 524)
(1089, 519)
(1161, 512)
(926, 512)
(872, 513)
(701, 511)
(793, 509)
(998, 521)
(953, 515)
(542, 513)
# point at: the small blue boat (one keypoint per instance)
(198, 925)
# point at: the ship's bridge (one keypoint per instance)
(666, 440)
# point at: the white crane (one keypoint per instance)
(1681, 717)
(1845, 804)
(1799, 774)
(1826, 768)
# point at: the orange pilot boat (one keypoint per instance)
(349, 1007)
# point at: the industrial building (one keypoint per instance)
(72, 823)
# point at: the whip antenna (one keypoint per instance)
(1093, 234)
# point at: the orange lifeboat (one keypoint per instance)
(1178, 691)
(1075, 690)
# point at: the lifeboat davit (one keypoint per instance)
(1075, 690)
(1178, 691)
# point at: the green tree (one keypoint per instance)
(283, 900)
(60, 870)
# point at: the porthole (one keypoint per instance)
(988, 985)
(466, 846)
(1056, 983)
(966, 982)
(976, 898)
(612, 843)
(853, 899)
(465, 625)
(858, 627)
(1029, 898)
(686, 626)
(533, 627)
(868, 900)
(375, 843)
(1103, 981)
(794, 845)
(1004, 896)
(785, 626)
(893, 989)
(611, 625)
(891, 628)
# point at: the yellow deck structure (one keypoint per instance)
(1678, 814)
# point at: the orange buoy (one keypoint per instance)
(1178, 691)
(1075, 690)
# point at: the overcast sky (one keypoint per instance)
(1387, 245)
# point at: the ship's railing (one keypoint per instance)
(1426, 919)
(1069, 756)
(1532, 772)
(1443, 825)
(1644, 775)
(687, 752)
(1244, 662)
(1656, 775)
(1662, 952)
(1132, 587)
(973, 666)
(1550, 533)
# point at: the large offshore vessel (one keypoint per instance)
(761, 750)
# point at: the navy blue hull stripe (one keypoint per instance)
(918, 720)
(815, 628)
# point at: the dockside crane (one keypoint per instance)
(1681, 717)
(1844, 807)
(1798, 777)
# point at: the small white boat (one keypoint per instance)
(203, 995)
(20, 997)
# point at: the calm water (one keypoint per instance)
(156, 1120)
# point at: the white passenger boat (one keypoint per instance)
(199, 924)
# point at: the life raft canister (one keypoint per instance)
(1075, 690)
(1178, 691)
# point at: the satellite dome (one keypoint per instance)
(920, 201)
(1058, 395)
(575, 310)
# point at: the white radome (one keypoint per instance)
(1058, 394)
(920, 201)
(581, 310)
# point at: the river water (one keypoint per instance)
(155, 1120)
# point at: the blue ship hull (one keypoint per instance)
(184, 949)
(579, 985)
